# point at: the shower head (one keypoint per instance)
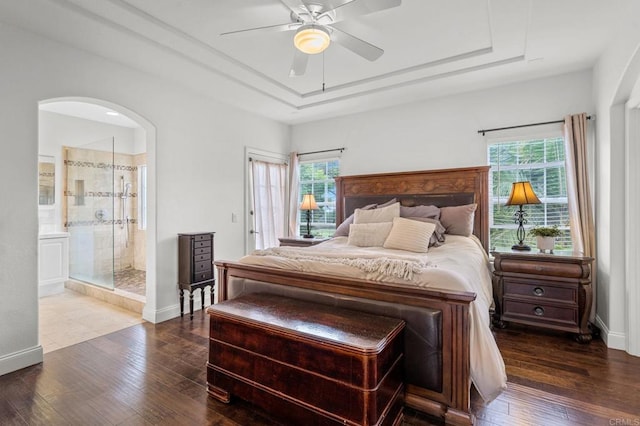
(127, 188)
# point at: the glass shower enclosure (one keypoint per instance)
(91, 197)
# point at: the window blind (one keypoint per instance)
(541, 162)
(318, 178)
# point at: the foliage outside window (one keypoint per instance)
(318, 178)
(541, 162)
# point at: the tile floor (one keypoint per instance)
(131, 280)
(70, 317)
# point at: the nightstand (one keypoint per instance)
(300, 241)
(545, 290)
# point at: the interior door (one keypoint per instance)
(266, 200)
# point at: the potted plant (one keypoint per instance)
(545, 237)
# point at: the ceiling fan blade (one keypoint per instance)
(356, 45)
(269, 28)
(331, 4)
(295, 6)
(299, 66)
(357, 8)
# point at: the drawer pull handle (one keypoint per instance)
(538, 310)
(538, 291)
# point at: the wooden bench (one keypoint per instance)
(307, 363)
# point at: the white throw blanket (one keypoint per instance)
(390, 266)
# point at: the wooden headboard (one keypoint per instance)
(442, 188)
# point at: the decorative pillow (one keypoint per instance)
(437, 238)
(343, 229)
(369, 234)
(410, 235)
(388, 203)
(458, 220)
(432, 212)
(381, 214)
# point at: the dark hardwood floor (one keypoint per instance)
(155, 374)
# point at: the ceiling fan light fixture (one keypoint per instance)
(312, 39)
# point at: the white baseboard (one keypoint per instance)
(19, 360)
(50, 289)
(173, 311)
(613, 340)
(160, 315)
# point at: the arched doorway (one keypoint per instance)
(117, 165)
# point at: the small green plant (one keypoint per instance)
(545, 231)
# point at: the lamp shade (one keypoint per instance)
(311, 39)
(308, 202)
(522, 193)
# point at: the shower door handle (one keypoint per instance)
(253, 232)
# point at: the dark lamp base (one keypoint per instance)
(521, 247)
(307, 236)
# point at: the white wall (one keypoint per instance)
(615, 75)
(57, 130)
(442, 133)
(198, 157)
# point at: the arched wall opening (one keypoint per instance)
(121, 197)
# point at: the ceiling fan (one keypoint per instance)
(313, 22)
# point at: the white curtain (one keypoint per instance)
(579, 193)
(294, 193)
(269, 200)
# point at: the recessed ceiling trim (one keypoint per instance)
(91, 15)
(419, 67)
(186, 36)
(123, 4)
(527, 28)
(489, 22)
(143, 15)
(417, 81)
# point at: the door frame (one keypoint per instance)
(632, 195)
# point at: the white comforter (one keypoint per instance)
(460, 264)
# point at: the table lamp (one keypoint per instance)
(521, 194)
(308, 204)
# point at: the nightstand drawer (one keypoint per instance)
(203, 237)
(564, 294)
(202, 257)
(202, 276)
(540, 313)
(202, 244)
(203, 266)
(543, 267)
(202, 250)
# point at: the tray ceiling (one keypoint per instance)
(431, 48)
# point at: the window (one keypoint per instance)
(540, 161)
(317, 177)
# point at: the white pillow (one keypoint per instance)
(410, 235)
(381, 214)
(369, 234)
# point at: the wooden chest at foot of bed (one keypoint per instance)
(307, 363)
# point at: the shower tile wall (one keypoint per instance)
(127, 172)
(93, 204)
(140, 247)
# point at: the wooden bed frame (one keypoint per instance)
(446, 187)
